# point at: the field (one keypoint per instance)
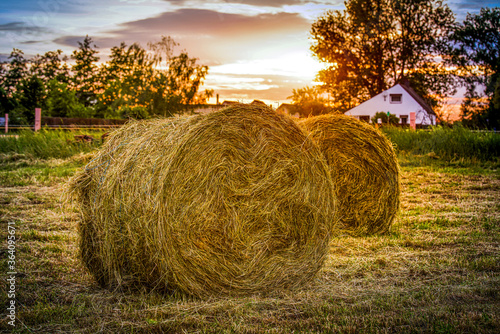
(437, 271)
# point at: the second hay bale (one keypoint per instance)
(364, 169)
(235, 202)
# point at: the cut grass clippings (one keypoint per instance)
(436, 271)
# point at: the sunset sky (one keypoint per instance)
(256, 49)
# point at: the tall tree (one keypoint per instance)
(373, 44)
(62, 102)
(51, 65)
(139, 83)
(475, 49)
(184, 77)
(13, 74)
(31, 93)
(128, 77)
(85, 80)
(17, 71)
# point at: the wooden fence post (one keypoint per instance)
(413, 120)
(6, 123)
(38, 119)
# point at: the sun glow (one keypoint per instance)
(279, 73)
(297, 64)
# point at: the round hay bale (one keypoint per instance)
(364, 170)
(235, 202)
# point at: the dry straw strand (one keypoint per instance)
(364, 170)
(236, 202)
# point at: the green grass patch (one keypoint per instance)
(436, 271)
(46, 144)
(42, 172)
(457, 145)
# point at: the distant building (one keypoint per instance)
(205, 108)
(399, 100)
(288, 109)
(258, 103)
(229, 103)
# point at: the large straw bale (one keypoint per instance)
(364, 170)
(235, 202)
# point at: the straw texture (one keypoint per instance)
(364, 170)
(236, 202)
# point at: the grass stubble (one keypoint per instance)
(436, 271)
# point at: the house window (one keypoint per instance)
(403, 119)
(396, 98)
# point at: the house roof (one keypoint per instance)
(258, 102)
(285, 106)
(418, 98)
(226, 102)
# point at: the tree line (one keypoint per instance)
(374, 44)
(134, 82)
(366, 48)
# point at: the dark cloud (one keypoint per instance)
(12, 26)
(212, 36)
(202, 22)
(69, 40)
(20, 27)
(220, 38)
(268, 3)
(462, 8)
(32, 42)
(17, 32)
(259, 3)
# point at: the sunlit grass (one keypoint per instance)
(436, 271)
(457, 144)
(46, 144)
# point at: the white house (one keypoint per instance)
(288, 109)
(399, 100)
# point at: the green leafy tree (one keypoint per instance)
(16, 71)
(31, 94)
(309, 101)
(7, 105)
(31, 83)
(7, 102)
(184, 78)
(373, 44)
(178, 85)
(127, 76)
(139, 83)
(162, 50)
(85, 72)
(135, 82)
(62, 102)
(51, 65)
(3, 73)
(475, 49)
(12, 84)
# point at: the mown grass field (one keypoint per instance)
(437, 271)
